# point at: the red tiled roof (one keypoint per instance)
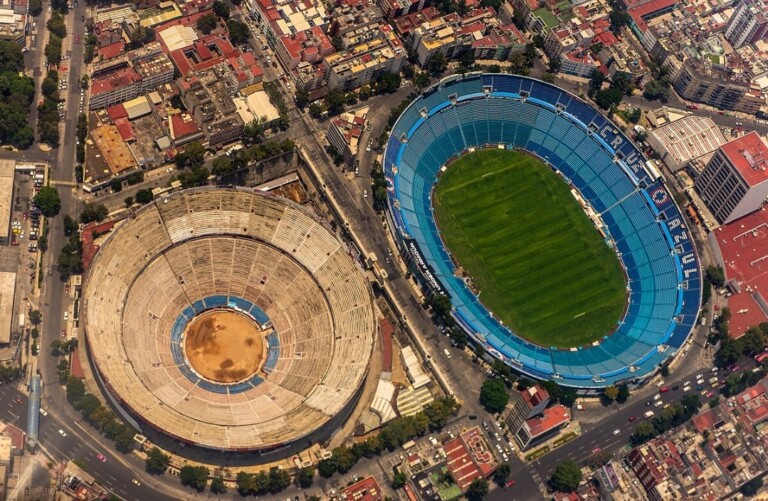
(117, 111)
(749, 155)
(115, 80)
(111, 50)
(705, 421)
(183, 127)
(366, 489)
(125, 129)
(551, 418)
(606, 38)
(75, 369)
(89, 248)
(17, 435)
(743, 245)
(534, 395)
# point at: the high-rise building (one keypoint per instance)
(735, 181)
(748, 24)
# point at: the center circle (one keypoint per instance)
(224, 345)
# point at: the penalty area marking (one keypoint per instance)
(580, 314)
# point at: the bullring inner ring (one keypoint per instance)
(224, 346)
(233, 253)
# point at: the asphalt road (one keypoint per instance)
(77, 444)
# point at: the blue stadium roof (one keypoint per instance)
(492, 110)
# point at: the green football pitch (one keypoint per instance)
(539, 263)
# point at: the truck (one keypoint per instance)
(648, 415)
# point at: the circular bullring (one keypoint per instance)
(619, 188)
(228, 319)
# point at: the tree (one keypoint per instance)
(306, 477)
(437, 64)
(34, 333)
(440, 304)
(714, 402)
(48, 201)
(11, 57)
(56, 25)
(192, 156)
(35, 7)
(238, 32)
(422, 80)
(751, 488)
(301, 97)
(116, 185)
(218, 486)
(656, 90)
(477, 490)
(207, 23)
(35, 317)
(493, 395)
(326, 468)
(157, 461)
(245, 483)
(141, 36)
(566, 478)
(715, 275)
(194, 476)
(548, 77)
(144, 196)
(501, 475)
(664, 372)
(279, 479)
(70, 226)
(254, 130)
(221, 9)
(642, 432)
(623, 394)
(610, 393)
(53, 49)
(399, 480)
(93, 212)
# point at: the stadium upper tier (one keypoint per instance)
(507, 111)
(229, 248)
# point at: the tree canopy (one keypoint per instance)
(194, 476)
(238, 31)
(566, 478)
(157, 461)
(493, 395)
(48, 201)
(207, 23)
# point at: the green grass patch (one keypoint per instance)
(565, 438)
(539, 263)
(537, 453)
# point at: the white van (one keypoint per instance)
(447, 353)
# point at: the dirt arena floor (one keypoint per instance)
(224, 346)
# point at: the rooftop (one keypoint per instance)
(749, 155)
(743, 246)
(366, 489)
(552, 417)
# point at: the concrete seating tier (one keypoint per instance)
(210, 248)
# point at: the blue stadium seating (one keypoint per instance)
(659, 310)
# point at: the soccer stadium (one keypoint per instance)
(624, 193)
(229, 319)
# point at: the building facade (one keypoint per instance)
(735, 181)
(748, 24)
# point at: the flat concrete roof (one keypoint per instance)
(7, 289)
(7, 170)
(114, 150)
